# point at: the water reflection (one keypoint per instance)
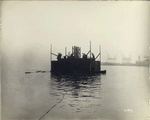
(78, 85)
(82, 91)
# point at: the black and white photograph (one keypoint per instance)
(75, 60)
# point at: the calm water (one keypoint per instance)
(121, 94)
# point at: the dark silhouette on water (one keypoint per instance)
(74, 63)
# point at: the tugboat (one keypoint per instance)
(74, 63)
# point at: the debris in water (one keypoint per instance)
(28, 72)
(38, 71)
(43, 71)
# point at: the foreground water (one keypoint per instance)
(121, 94)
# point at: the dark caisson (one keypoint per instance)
(75, 63)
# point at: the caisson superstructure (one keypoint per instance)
(74, 62)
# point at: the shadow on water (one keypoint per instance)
(77, 85)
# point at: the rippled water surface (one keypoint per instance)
(121, 94)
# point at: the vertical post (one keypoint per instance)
(90, 56)
(65, 51)
(90, 49)
(100, 56)
(80, 52)
(51, 56)
(51, 52)
(100, 52)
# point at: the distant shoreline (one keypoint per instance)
(112, 64)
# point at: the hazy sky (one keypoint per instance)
(28, 28)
